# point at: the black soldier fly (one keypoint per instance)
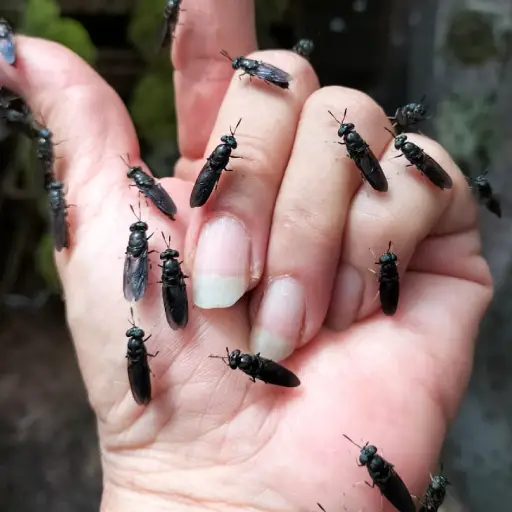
(482, 186)
(152, 190)
(409, 115)
(174, 289)
(170, 22)
(138, 367)
(136, 264)
(58, 215)
(258, 367)
(385, 477)
(266, 72)
(304, 48)
(423, 162)
(44, 150)
(7, 44)
(212, 169)
(389, 282)
(435, 494)
(359, 151)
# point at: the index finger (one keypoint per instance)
(201, 73)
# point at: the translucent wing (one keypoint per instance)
(204, 185)
(176, 304)
(135, 276)
(160, 198)
(273, 373)
(435, 173)
(59, 228)
(371, 169)
(272, 74)
(139, 376)
(7, 46)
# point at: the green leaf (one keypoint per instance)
(152, 107)
(39, 14)
(45, 263)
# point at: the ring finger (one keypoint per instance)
(309, 220)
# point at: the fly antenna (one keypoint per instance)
(354, 443)
(237, 125)
(333, 116)
(226, 54)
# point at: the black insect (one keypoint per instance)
(423, 162)
(171, 16)
(58, 214)
(435, 494)
(482, 186)
(7, 44)
(409, 115)
(138, 367)
(389, 282)
(174, 289)
(266, 72)
(210, 173)
(136, 263)
(385, 477)
(359, 151)
(258, 367)
(152, 190)
(44, 150)
(304, 48)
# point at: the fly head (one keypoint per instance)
(367, 454)
(139, 226)
(136, 333)
(400, 141)
(234, 359)
(345, 129)
(169, 254)
(439, 483)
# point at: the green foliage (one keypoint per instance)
(470, 38)
(144, 27)
(45, 263)
(43, 19)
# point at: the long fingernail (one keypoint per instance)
(221, 264)
(346, 299)
(279, 321)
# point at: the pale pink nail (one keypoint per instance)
(346, 299)
(279, 320)
(221, 264)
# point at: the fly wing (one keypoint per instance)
(140, 381)
(389, 291)
(273, 373)
(8, 48)
(273, 74)
(372, 171)
(176, 305)
(435, 173)
(135, 276)
(164, 38)
(59, 227)
(494, 206)
(396, 492)
(161, 199)
(204, 185)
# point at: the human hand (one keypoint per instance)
(210, 439)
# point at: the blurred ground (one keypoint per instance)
(48, 444)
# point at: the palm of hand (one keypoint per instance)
(279, 445)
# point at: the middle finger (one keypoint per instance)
(227, 238)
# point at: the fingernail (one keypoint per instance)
(221, 264)
(279, 320)
(346, 299)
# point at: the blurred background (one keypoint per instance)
(456, 52)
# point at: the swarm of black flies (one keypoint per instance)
(385, 477)
(483, 190)
(169, 23)
(259, 69)
(138, 367)
(217, 162)
(151, 189)
(389, 285)
(7, 43)
(409, 115)
(258, 367)
(174, 289)
(304, 48)
(423, 162)
(136, 262)
(359, 151)
(435, 494)
(58, 214)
